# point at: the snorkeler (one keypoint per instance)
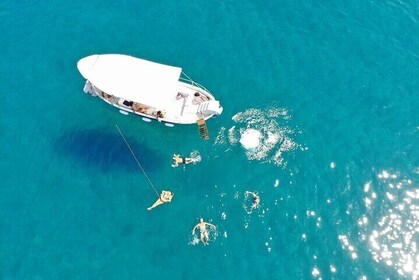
(177, 159)
(204, 235)
(165, 197)
(255, 201)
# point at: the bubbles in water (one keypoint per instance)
(263, 134)
(194, 241)
(195, 156)
(220, 139)
(223, 215)
(213, 233)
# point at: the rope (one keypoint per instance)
(139, 164)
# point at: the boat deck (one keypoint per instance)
(185, 104)
(183, 109)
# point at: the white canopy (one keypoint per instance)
(131, 78)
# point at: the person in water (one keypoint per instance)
(255, 200)
(165, 197)
(204, 235)
(177, 159)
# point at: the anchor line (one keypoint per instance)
(139, 164)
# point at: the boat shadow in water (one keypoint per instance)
(105, 151)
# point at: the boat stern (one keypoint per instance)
(216, 108)
(211, 107)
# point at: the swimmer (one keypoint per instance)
(178, 159)
(165, 196)
(203, 230)
(256, 200)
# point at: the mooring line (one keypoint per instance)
(139, 164)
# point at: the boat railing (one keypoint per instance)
(188, 80)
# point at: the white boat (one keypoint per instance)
(148, 89)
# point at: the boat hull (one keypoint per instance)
(185, 102)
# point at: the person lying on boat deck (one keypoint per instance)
(256, 200)
(165, 197)
(204, 235)
(140, 108)
(178, 159)
(199, 98)
(107, 96)
(181, 95)
(159, 115)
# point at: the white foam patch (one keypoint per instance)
(195, 156)
(263, 133)
(250, 139)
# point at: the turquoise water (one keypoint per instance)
(331, 88)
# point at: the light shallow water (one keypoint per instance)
(331, 89)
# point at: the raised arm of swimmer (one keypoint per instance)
(211, 225)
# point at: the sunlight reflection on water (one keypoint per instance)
(392, 240)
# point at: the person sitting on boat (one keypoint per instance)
(181, 95)
(107, 96)
(165, 197)
(255, 200)
(177, 159)
(160, 115)
(199, 98)
(204, 235)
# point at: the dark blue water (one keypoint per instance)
(326, 93)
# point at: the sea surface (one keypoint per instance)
(320, 120)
